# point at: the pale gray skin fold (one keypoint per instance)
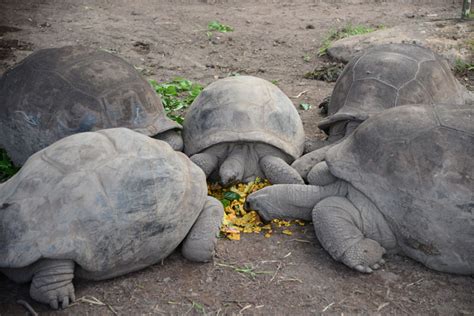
(97, 205)
(380, 78)
(400, 183)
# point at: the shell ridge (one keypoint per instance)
(111, 140)
(55, 164)
(413, 79)
(70, 84)
(102, 189)
(353, 80)
(378, 80)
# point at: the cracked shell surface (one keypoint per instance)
(415, 163)
(390, 75)
(57, 92)
(243, 109)
(114, 201)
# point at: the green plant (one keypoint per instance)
(328, 72)
(247, 270)
(199, 308)
(462, 68)
(346, 31)
(7, 168)
(219, 27)
(176, 95)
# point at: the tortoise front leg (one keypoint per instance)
(306, 162)
(338, 224)
(291, 201)
(173, 138)
(206, 161)
(277, 171)
(320, 175)
(200, 243)
(233, 168)
(52, 282)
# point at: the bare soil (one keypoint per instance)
(275, 40)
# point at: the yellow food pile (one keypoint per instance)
(237, 220)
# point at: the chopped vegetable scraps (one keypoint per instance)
(237, 219)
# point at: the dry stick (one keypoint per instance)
(327, 307)
(278, 269)
(299, 94)
(246, 307)
(95, 301)
(28, 307)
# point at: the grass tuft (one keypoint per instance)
(463, 68)
(346, 31)
(219, 27)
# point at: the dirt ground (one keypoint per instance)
(275, 40)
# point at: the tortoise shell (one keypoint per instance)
(243, 109)
(57, 92)
(114, 201)
(416, 164)
(390, 75)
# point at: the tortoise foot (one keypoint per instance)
(365, 256)
(52, 283)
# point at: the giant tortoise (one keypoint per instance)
(403, 181)
(248, 127)
(57, 92)
(102, 204)
(380, 78)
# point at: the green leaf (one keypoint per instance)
(229, 195)
(225, 202)
(305, 106)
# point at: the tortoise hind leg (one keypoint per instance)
(201, 240)
(337, 224)
(52, 282)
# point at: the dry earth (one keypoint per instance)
(276, 40)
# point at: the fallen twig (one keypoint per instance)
(276, 272)
(94, 301)
(299, 94)
(246, 307)
(327, 307)
(414, 283)
(26, 305)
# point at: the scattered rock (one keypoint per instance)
(142, 47)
